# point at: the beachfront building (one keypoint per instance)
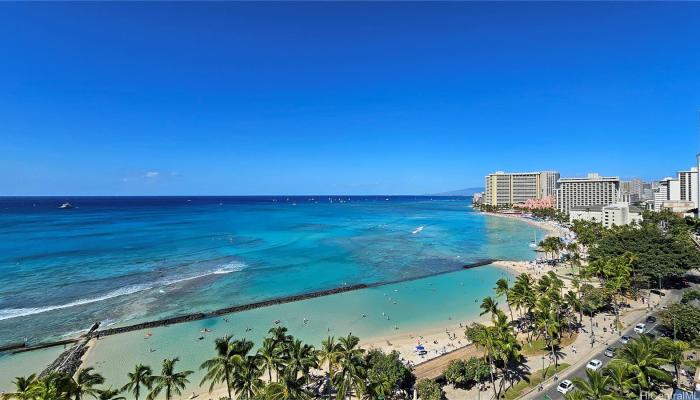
(593, 190)
(617, 214)
(677, 192)
(505, 189)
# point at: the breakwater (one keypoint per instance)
(45, 345)
(268, 303)
(67, 362)
(94, 331)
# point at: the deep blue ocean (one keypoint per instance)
(121, 260)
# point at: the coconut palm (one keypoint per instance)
(644, 359)
(594, 387)
(328, 354)
(23, 388)
(350, 376)
(270, 355)
(302, 357)
(620, 380)
(488, 305)
(246, 378)
(110, 394)
(220, 368)
(502, 289)
(141, 376)
(51, 387)
(84, 383)
(288, 388)
(673, 351)
(169, 380)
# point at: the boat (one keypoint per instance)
(533, 243)
(66, 205)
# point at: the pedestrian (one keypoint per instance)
(573, 349)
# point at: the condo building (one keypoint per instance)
(503, 189)
(681, 192)
(593, 190)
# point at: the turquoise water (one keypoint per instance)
(127, 260)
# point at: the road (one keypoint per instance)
(550, 391)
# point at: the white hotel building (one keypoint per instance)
(593, 190)
(680, 194)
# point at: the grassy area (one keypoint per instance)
(539, 347)
(535, 379)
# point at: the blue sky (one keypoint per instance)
(354, 98)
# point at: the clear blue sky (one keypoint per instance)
(267, 98)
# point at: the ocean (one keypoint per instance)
(124, 260)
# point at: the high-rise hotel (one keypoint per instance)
(504, 189)
(593, 190)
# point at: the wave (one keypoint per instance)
(10, 313)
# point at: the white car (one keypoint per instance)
(624, 339)
(594, 364)
(565, 386)
(639, 328)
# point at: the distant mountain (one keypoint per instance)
(460, 192)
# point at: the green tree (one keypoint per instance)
(84, 383)
(141, 376)
(350, 377)
(488, 305)
(23, 388)
(387, 375)
(220, 368)
(110, 394)
(169, 380)
(428, 389)
(643, 357)
(503, 290)
(329, 354)
(594, 387)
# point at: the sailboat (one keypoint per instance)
(533, 243)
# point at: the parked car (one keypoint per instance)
(609, 352)
(594, 365)
(650, 319)
(639, 328)
(624, 339)
(565, 386)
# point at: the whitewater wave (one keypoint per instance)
(10, 313)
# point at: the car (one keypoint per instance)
(609, 352)
(639, 328)
(624, 339)
(565, 386)
(650, 319)
(594, 365)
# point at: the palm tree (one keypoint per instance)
(246, 378)
(549, 327)
(173, 382)
(502, 289)
(302, 357)
(288, 388)
(271, 356)
(141, 376)
(620, 380)
(110, 394)
(673, 351)
(329, 354)
(23, 388)
(644, 359)
(575, 303)
(488, 305)
(85, 382)
(350, 376)
(51, 387)
(595, 387)
(219, 368)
